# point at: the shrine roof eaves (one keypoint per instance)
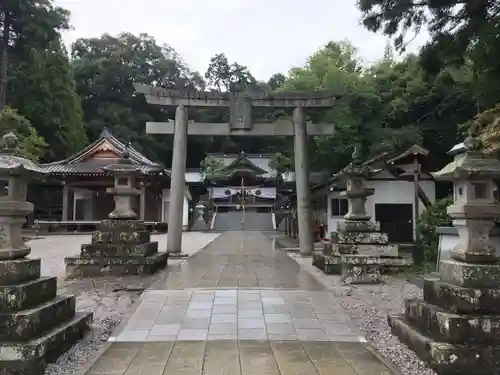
(75, 164)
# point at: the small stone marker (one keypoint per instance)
(120, 245)
(36, 325)
(456, 327)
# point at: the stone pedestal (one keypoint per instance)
(456, 327)
(36, 325)
(120, 245)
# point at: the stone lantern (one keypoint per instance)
(121, 245)
(124, 191)
(200, 222)
(36, 325)
(358, 245)
(474, 207)
(456, 327)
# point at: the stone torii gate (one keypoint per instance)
(240, 124)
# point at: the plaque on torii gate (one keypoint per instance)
(240, 105)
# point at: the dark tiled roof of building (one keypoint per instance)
(77, 165)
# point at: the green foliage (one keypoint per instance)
(31, 145)
(33, 24)
(281, 163)
(105, 69)
(212, 166)
(43, 89)
(433, 217)
(228, 77)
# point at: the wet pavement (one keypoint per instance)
(238, 307)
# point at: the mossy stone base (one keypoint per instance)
(27, 295)
(120, 236)
(25, 324)
(117, 250)
(19, 270)
(460, 300)
(470, 275)
(31, 357)
(453, 328)
(447, 358)
(360, 269)
(112, 266)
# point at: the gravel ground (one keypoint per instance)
(368, 307)
(105, 296)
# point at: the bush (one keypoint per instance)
(433, 217)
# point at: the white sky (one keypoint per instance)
(268, 36)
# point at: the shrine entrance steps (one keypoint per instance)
(237, 220)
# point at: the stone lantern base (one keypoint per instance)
(359, 251)
(456, 327)
(36, 325)
(119, 247)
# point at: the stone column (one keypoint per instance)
(177, 184)
(142, 212)
(306, 241)
(65, 201)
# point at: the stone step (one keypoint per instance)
(112, 266)
(104, 250)
(121, 225)
(33, 322)
(28, 294)
(445, 358)
(358, 226)
(360, 269)
(31, 357)
(19, 270)
(366, 249)
(457, 299)
(118, 236)
(453, 328)
(363, 238)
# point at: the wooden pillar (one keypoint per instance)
(65, 202)
(142, 212)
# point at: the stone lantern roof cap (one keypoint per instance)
(11, 162)
(473, 164)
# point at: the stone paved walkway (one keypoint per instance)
(238, 307)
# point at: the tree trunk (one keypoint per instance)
(4, 48)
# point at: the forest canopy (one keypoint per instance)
(62, 99)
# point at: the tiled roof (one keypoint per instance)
(77, 165)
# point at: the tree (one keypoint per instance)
(226, 77)
(31, 145)
(458, 22)
(211, 167)
(105, 69)
(463, 33)
(43, 89)
(26, 24)
(277, 81)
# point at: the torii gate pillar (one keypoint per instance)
(241, 124)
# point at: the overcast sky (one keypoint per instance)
(268, 36)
